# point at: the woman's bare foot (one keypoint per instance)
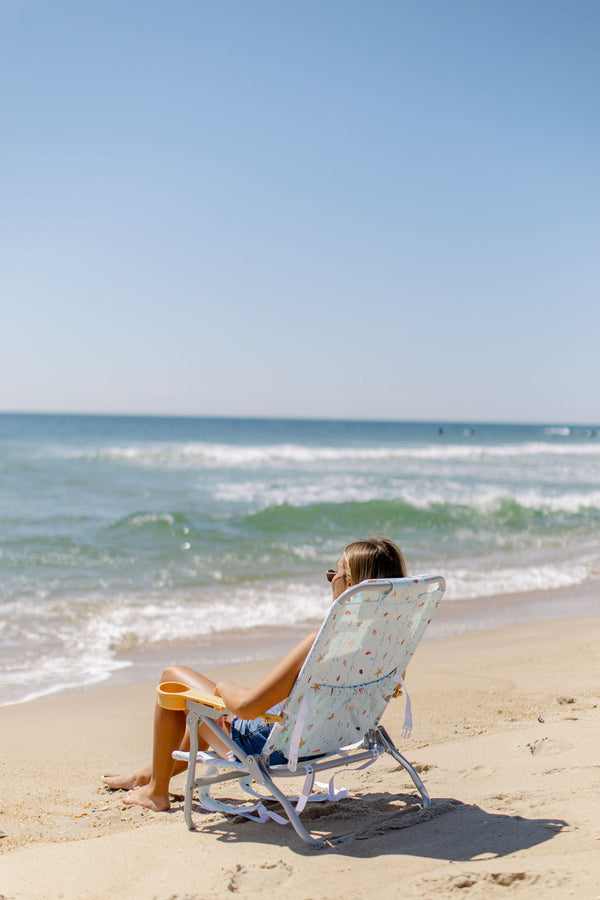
(144, 796)
(127, 782)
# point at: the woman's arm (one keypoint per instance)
(248, 703)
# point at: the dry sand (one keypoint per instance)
(507, 738)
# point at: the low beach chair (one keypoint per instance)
(331, 717)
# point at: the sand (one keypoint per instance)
(507, 739)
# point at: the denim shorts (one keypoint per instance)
(251, 736)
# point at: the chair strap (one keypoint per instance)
(331, 793)
(294, 746)
(256, 813)
(408, 721)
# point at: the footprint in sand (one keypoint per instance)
(484, 881)
(547, 747)
(248, 879)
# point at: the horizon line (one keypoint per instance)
(281, 418)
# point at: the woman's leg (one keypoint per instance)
(150, 786)
(169, 729)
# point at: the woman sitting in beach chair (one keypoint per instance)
(371, 558)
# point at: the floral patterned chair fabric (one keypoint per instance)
(353, 669)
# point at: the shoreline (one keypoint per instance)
(226, 649)
(506, 723)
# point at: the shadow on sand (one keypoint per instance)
(385, 824)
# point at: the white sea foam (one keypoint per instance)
(151, 518)
(55, 675)
(50, 659)
(240, 608)
(558, 430)
(300, 492)
(481, 497)
(571, 502)
(465, 584)
(212, 455)
(72, 645)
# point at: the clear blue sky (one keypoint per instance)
(336, 208)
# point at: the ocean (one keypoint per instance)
(124, 538)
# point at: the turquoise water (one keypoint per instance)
(118, 533)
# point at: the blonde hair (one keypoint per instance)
(374, 557)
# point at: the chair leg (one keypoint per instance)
(259, 772)
(192, 721)
(386, 743)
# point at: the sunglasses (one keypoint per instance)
(331, 573)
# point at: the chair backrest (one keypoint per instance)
(353, 668)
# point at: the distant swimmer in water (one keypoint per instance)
(376, 557)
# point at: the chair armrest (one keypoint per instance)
(206, 699)
(174, 695)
